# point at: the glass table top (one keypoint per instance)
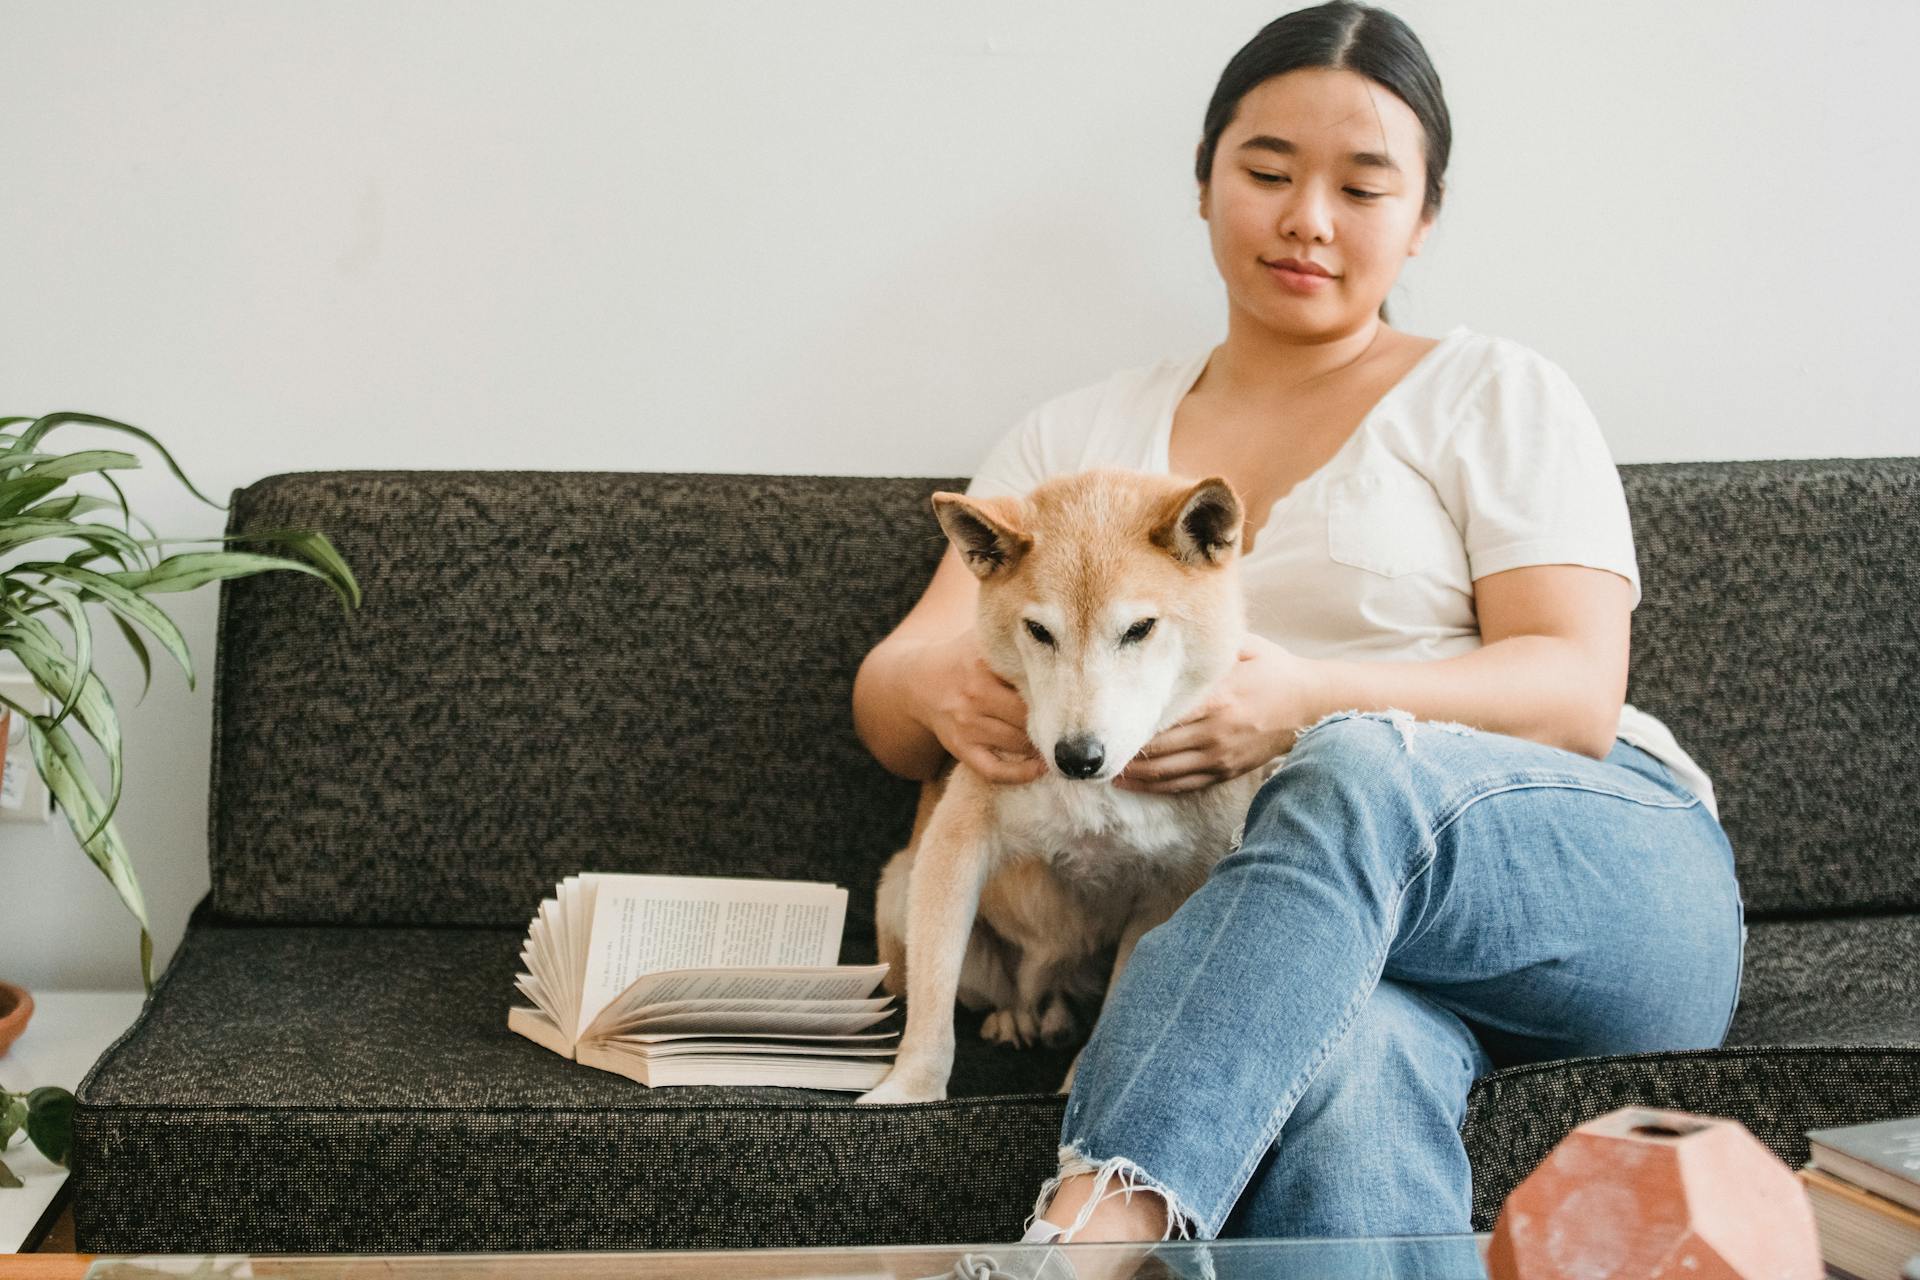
(1405, 1258)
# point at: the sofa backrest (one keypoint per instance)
(561, 671)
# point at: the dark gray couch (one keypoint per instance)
(557, 671)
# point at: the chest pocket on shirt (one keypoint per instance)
(1389, 524)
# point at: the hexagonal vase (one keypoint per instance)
(1643, 1194)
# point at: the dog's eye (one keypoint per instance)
(1039, 633)
(1138, 631)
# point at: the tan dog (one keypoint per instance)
(1111, 601)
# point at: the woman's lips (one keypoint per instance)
(1298, 281)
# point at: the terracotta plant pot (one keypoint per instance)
(16, 1006)
(1657, 1195)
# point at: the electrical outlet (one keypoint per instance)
(23, 796)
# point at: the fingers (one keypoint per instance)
(1002, 698)
(1004, 770)
(1178, 771)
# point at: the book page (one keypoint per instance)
(830, 1044)
(642, 924)
(793, 987)
(758, 1020)
(745, 1048)
(663, 1008)
(854, 1075)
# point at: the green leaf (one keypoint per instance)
(69, 507)
(65, 773)
(126, 603)
(28, 489)
(34, 645)
(9, 1180)
(312, 544)
(185, 570)
(67, 465)
(127, 517)
(13, 1117)
(140, 652)
(18, 533)
(50, 1122)
(14, 457)
(47, 422)
(76, 614)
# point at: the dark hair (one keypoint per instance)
(1344, 36)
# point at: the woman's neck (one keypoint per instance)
(1257, 365)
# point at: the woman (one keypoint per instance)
(1514, 864)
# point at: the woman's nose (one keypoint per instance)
(1306, 215)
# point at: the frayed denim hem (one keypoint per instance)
(1130, 1177)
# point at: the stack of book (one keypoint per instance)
(1863, 1181)
(672, 980)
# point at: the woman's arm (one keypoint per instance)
(1552, 668)
(889, 712)
(1534, 687)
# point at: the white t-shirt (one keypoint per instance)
(1483, 457)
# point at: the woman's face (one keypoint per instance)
(1286, 183)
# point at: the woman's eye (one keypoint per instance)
(1138, 631)
(1273, 179)
(1040, 633)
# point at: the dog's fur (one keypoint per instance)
(1011, 897)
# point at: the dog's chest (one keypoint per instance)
(1098, 836)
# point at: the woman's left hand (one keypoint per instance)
(1250, 716)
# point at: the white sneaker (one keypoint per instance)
(1022, 1264)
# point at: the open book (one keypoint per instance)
(703, 980)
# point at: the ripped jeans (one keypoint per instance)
(1412, 904)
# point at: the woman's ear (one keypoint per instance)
(1419, 237)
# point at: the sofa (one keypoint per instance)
(563, 671)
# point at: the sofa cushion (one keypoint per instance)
(340, 1088)
(1776, 638)
(1830, 982)
(563, 671)
(553, 672)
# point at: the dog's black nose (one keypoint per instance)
(1079, 757)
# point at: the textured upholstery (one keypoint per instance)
(556, 671)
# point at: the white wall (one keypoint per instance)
(851, 236)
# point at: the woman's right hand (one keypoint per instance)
(978, 717)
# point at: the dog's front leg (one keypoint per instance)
(943, 897)
(1145, 916)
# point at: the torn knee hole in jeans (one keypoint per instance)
(1403, 721)
(1117, 1176)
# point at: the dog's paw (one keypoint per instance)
(1002, 1028)
(1057, 1026)
(896, 1088)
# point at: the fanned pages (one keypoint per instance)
(703, 980)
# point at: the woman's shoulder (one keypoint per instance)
(1490, 368)
(1510, 355)
(1133, 383)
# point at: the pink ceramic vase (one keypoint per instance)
(1657, 1195)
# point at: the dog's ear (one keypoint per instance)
(984, 531)
(1202, 525)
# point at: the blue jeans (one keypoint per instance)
(1412, 905)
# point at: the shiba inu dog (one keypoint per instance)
(1111, 601)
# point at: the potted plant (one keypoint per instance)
(37, 506)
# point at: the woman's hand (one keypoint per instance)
(1250, 716)
(978, 717)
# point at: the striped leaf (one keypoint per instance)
(58, 758)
